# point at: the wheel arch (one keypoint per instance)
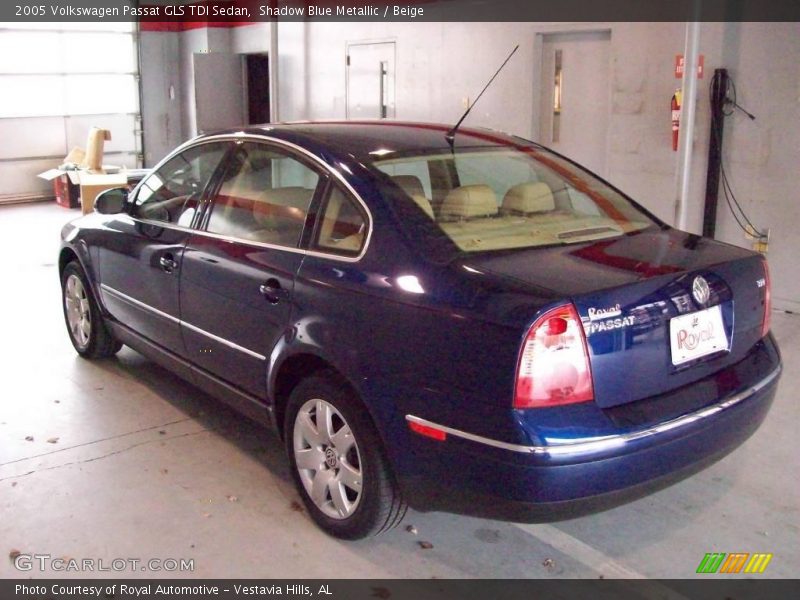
(80, 254)
(66, 256)
(293, 369)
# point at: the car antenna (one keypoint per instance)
(450, 136)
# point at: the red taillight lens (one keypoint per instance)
(554, 363)
(765, 323)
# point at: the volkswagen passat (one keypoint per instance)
(473, 324)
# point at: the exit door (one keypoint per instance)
(370, 80)
(575, 96)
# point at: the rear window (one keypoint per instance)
(484, 199)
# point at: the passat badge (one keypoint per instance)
(700, 289)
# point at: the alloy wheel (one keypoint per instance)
(328, 459)
(79, 316)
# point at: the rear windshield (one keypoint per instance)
(484, 199)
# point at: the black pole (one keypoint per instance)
(719, 87)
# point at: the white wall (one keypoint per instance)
(191, 42)
(762, 157)
(162, 115)
(167, 60)
(250, 39)
(439, 64)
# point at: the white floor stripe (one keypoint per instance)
(581, 551)
(595, 559)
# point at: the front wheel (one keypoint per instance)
(338, 462)
(85, 325)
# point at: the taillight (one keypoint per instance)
(554, 363)
(765, 323)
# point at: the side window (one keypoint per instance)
(264, 197)
(172, 193)
(343, 225)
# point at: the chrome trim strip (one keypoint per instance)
(475, 438)
(138, 303)
(223, 341)
(612, 441)
(247, 136)
(169, 317)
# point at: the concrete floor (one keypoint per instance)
(143, 465)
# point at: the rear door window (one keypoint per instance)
(264, 197)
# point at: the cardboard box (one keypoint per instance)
(68, 194)
(82, 176)
(94, 183)
(66, 178)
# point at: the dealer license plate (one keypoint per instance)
(697, 334)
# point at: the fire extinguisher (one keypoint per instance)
(677, 99)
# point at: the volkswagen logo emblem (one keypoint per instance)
(700, 289)
(330, 458)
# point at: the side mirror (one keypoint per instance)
(111, 202)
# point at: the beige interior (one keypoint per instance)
(276, 205)
(249, 208)
(491, 214)
(424, 204)
(469, 201)
(411, 184)
(327, 234)
(329, 219)
(530, 197)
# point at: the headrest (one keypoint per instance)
(470, 201)
(424, 204)
(411, 184)
(530, 197)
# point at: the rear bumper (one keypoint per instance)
(475, 475)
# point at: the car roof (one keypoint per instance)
(361, 138)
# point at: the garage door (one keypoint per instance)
(58, 81)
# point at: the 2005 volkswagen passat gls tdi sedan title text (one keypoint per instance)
(475, 325)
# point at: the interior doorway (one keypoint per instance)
(575, 96)
(257, 71)
(370, 80)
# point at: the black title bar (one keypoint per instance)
(576, 589)
(244, 11)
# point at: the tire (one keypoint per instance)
(85, 326)
(339, 464)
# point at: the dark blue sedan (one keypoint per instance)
(474, 324)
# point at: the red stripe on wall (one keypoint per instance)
(187, 25)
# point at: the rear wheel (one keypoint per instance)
(338, 462)
(85, 325)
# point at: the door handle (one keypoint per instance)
(168, 263)
(272, 290)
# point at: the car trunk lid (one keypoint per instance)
(648, 329)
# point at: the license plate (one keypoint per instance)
(697, 334)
